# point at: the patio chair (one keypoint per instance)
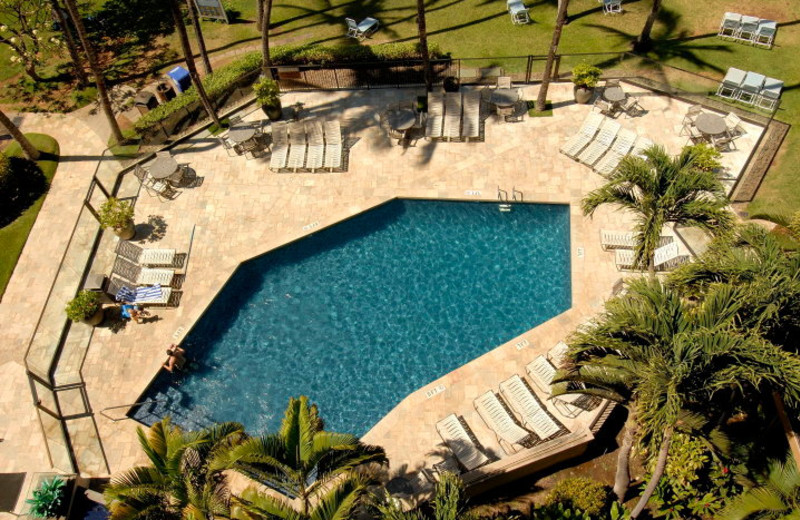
(228, 145)
(504, 82)
(509, 434)
(601, 143)
(751, 87)
(765, 33)
(770, 93)
(361, 29)
(140, 173)
(471, 122)
(518, 12)
(584, 136)
(452, 115)
(533, 413)
(723, 142)
(747, 28)
(729, 88)
(611, 83)
(458, 439)
(145, 256)
(631, 107)
(517, 112)
(692, 113)
(612, 6)
(734, 124)
(729, 25)
(694, 134)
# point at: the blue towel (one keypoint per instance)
(125, 294)
(144, 294)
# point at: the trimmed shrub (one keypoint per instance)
(21, 183)
(226, 78)
(580, 493)
(706, 158)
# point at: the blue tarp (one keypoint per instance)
(180, 78)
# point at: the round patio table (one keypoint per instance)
(240, 134)
(614, 94)
(163, 167)
(710, 124)
(504, 97)
(402, 119)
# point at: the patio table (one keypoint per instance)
(504, 97)
(240, 134)
(614, 94)
(402, 119)
(163, 167)
(710, 124)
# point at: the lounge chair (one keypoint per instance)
(751, 87)
(601, 143)
(361, 29)
(620, 148)
(665, 257)
(297, 146)
(497, 418)
(642, 144)
(542, 371)
(458, 439)
(316, 145)
(141, 275)
(617, 239)
(765, 33)
(452, 115)
(531, 410)
(280, 146)
(142, 256)
(729, 25)
(584, 136)
(770, 93)
(729, 88)
(152, 295)
(435, 122)
(747, 28)
(518, 12)
(612, 6)
(333, 144)
(558, 354)
(471, 124)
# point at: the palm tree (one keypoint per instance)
(77, 63)
(423, 45)
(643, 42)
(266, 19)
(561, 19)
(28, 149)
(198, 31)
(660, 189)
(302, 460)
(184, 480)
(666, 359)
(189, 57)
(778, 496)
(449, 503)
(94, 67)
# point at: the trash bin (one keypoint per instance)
(164, 92)
(145, 101)
(180, 78)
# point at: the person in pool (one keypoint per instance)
(175, 359)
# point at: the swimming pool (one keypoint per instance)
(361, 314)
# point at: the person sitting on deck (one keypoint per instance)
(130, 311)
(175, 359)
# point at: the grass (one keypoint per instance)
(547, 112)
(14, 235)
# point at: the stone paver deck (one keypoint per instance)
(241, 209)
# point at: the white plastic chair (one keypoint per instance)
(747, 29)
(730, 25)
(751, 87)
(729, 88)
(352, 28)
(612, 6)
(765, 33)
(770, 93)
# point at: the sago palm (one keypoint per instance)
(184, 480)
(665, 359)
(660, 189)
(302, 460)
(448, 503)
(776, 498)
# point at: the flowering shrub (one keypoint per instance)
(25, 33)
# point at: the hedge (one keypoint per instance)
(222, 80)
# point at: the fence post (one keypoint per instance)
(528, 69)
(557, 66)
(336, 77)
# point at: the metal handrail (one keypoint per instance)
(148, 401)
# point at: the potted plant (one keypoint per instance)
(268, 96)
(585, 77)
(118, 215)
(451, 84)
(85, 307)
(47, 499)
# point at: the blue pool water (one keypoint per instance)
(359, 315)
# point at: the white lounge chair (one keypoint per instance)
(729, 25)
(460, 443)
(518, 12)
(751, 87)
(280, 146)
(747, 28)
(765, 33)
(642, 144)
(497, 418)
(435, 122)
(617, 239)
(527, 405)
(584, 136)
(558, 354)
(316, 145)
(145, 256)
(452, 115)
(770, 93)
(620, 148)
(612, 6)
(471, 123)
(729, 88)
(542, 371)
(361, 29)
(664, 257)
(601, 143)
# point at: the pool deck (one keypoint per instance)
(242, 209)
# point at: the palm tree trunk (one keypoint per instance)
(561, 17)
(791, 435)
(94, 67)
(643, 41)
(189, 57)
(28, 149)
(266, 20)
(566, 14)
(72, 47)
(658, 471)
(623, 477)
(260, 15)
(423, 44)
(198, 31)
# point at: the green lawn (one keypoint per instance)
(14, 235)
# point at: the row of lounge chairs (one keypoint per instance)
(623, 243)
(144, 274)
(601, 143)
(748, 29)
(516, 415)
(309, 146)
(453, 116)
(750, 88)
(610, 240)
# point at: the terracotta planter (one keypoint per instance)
(97, 317)
(583, 95)
(127, 232)
(273, 112)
